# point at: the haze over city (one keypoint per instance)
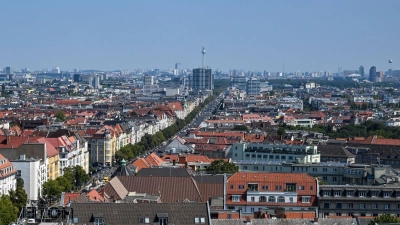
(251, 35)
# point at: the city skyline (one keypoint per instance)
(256, 36)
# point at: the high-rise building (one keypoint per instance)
(56, 70)
(203, 79)
(253, 86)
(372, 74)
(9, 70)
(239, 82)
(361, 71)
(96, 82)
(77, 77)
(148, 80)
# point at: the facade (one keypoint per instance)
(148, 80)
(7, 176)
(275, 152)
(253, 86)
(332, 173)
(239, 82)
(294, 103)
(202, 79)
(372, 74)
(34, 174)
(103, 144)
(361, 71)
(346, 200)
(253, 192)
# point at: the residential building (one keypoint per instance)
(102, 144)
(275, 152)
(345, 200)
(252, 192)
(148, 79)
(7, 176)
(34, 173)
(141, 213)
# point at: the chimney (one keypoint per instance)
(174, 162)
(182, 159)
(315, 220)
(8, 139)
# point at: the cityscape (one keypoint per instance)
(189, 134)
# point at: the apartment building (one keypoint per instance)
(7, 176)
(349, 200)
(275, 152)
(253, 192)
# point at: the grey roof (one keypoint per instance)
(334, 150)
(129, 213)
(325, 221)
(208, 178)
(123, 171)
(163, 172)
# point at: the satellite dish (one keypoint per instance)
(390, 61)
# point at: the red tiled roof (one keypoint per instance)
(154, 160)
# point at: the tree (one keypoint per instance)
(281, 131)
(221, 166)
(240, 128)
(51, 190)
(384, 219)
(8, 212)
(65, 184)
(76, 175)
(19, 198)
(60, 116)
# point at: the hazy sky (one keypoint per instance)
(259, 35)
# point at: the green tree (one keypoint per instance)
(51, 190)
(384, 219)
(281, 131)
(19, 198)
(240, 128)
(65, 184)
(60, 116)
(76, 175)
(8, 212)
(221, 166)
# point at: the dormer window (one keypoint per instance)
(199, 220)
(162, 218)
(98, 218)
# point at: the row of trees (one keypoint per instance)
(12, 204)
(368, 128)
(149, 142)
(73, 179)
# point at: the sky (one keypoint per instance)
(256, 35)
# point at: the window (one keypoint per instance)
(98, 221)
(271, 199)
(334, 178)
(311, 188)
(252, 187)
(278, 187)
(326, 205)
(344, 179)
(338, 214)
(324, 169)
(245, 167)
(196, 220)
(231, 186)
(387, 206)
(361, 193)
(374, 206)
(324, 178)
(255, 167)
(252, 209)
(327, 193)
(240, 186)
(337, 193)
(362, 205)
(262, 199)
(314, 169)
(265, 187)
(290, 199)
(374, 194)
(398, 206)
(350, 205)
(305, 199)
(290, 187)
(338, 205)
(235, 198)
(253, 199)
(281, 199)
(334, 170)
(386, 194)
(301, 187)
(202, 220)
(349, 193)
